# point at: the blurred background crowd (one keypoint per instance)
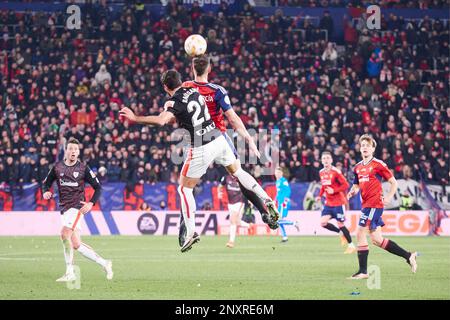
(282, 73)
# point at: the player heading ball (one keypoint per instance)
(188, 107)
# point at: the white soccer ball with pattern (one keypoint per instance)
(195, 45)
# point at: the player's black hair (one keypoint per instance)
(201, 64)
(171, 78)
(72, 140)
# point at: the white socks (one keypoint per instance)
(89, 253)
(250, 183)
(233, 229)
(188, 208)
(244, 224)
(68, 255)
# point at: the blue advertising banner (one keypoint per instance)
(116, 196)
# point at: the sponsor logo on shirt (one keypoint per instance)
(208, 98)
(69, 183)
(364, 178)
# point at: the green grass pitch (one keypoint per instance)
(149, 267)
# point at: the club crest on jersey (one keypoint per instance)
(75, 174)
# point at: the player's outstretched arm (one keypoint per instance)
(239, 126)
(159, 120)
(47, 184)
(394, 186)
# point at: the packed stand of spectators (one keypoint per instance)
(320, 96)
(412, 4)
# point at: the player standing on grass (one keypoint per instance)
(235, 205)
(208, 144)
(71, 175)
(219, 105)
(334, 186)
(368, 175)
(284, 203)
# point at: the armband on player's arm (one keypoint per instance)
(92, 179)
(48, 181)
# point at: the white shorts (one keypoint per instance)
(71, 219)
(199, 158)
(237, 207)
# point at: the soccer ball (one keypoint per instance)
(195, 45)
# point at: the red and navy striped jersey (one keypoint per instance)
(334, 179)
(368, 176)
(216, 98)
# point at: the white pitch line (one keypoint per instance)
(59, 252)
(26, 259)
(26, 253)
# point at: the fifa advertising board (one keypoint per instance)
(34, 223)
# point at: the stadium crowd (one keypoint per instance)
(281, 74)
(422, 4)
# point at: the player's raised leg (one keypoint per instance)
(259, 205)
(327, 215)
(394, 248)
(249, 183)
(324, 221)
(337, 213)
(90, 254)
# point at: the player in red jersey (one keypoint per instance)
(334, 186)
(219, 107)
(368, 175)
